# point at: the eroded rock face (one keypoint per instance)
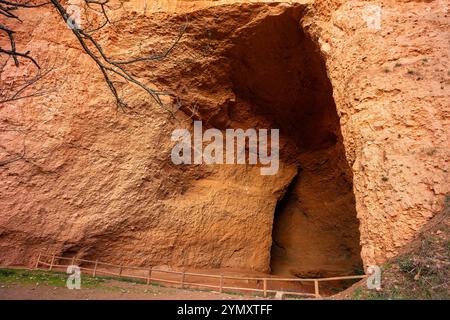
(356, 141)
(391, 88)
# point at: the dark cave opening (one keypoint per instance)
(279, 74)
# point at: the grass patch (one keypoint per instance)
(40, 277)
(234, 293)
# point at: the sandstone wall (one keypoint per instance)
(98, 181)
(391, 88)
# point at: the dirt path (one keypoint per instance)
(114, 290)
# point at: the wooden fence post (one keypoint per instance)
(149, 276)
(51, 263)
(316, 289)
(265, 287)
(182, 280)
(37, 261)
(221, 283)
(94, 273)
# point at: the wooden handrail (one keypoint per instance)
(221, 287)
(202, 275)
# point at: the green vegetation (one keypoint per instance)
(422, 272)
(54, 279)
(9, 276)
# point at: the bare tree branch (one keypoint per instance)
(110, 68)
(13, 52)
(18, 92)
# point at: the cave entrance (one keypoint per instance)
(315, 229)
(280, 75)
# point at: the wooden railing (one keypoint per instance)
(181, 275)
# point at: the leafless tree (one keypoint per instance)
(110, 68)
(95, 16)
